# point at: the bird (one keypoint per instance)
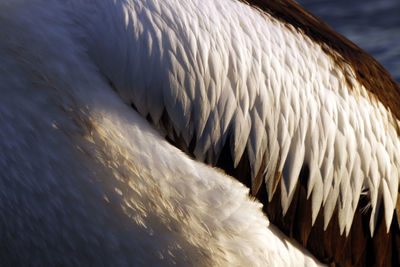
(131, 130)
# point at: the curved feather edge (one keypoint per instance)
(328, 96)
(174, 59)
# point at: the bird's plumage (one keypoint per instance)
(232, 85)
(86, 181)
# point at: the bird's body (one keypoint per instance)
(86, 180)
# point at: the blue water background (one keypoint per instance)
(374, 25)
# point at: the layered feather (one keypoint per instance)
(224, 71)
(86, 181)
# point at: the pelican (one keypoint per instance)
(131, 128)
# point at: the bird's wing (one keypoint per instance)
(252, 91)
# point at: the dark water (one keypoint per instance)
(373, 25)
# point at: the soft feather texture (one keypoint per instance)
(86, 181)
(223, 68)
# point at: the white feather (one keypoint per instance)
(272, 88)
(256, 63)
(86, 181)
